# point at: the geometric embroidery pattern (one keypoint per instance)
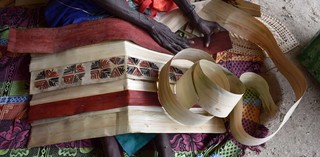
(175, 74)
(138, 67)
(72, 75)
(102, 70)
(107, 68)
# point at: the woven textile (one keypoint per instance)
(182, 144)
(238, 64)
(283, 36)
(14, 95)
(19, 17)
(12, 111)
(96, 31)
(49, 151)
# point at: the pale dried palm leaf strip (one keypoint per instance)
(214, 88)
(91, 90)
(178, 111)
(250, 28)
(245, 25)
(205, 83)
(112, 122)
(283, 36)
(250, 8)
(260, 86)
(175, 20)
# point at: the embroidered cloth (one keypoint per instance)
(15, 130)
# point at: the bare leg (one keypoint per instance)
(163, 145)
(110, 147)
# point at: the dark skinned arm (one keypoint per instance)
(159, 32)
(162, 143)
(205, 27)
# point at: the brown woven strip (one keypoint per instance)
(52, 40)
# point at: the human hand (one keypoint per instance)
(166, 38)
(207, 28)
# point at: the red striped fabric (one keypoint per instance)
(93, 103)
(52, 40)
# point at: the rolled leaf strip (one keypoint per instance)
(248, 27)
(205, 83)
(252, 29)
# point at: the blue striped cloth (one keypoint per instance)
(64, 12)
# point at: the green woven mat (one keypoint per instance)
(310, 57)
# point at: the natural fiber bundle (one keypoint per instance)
(204, 83)
(212, 87)
(248, 27)
(115, 99)
(251, 8)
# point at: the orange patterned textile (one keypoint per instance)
(156, 6)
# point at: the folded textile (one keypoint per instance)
(4, 34)
(63, 12)
(52, 151)
(51, 40)
(14, 102)
(12, 111)
(14, 134)
(20, 17)
(131, 143)
(14, 95)
(21, 73)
